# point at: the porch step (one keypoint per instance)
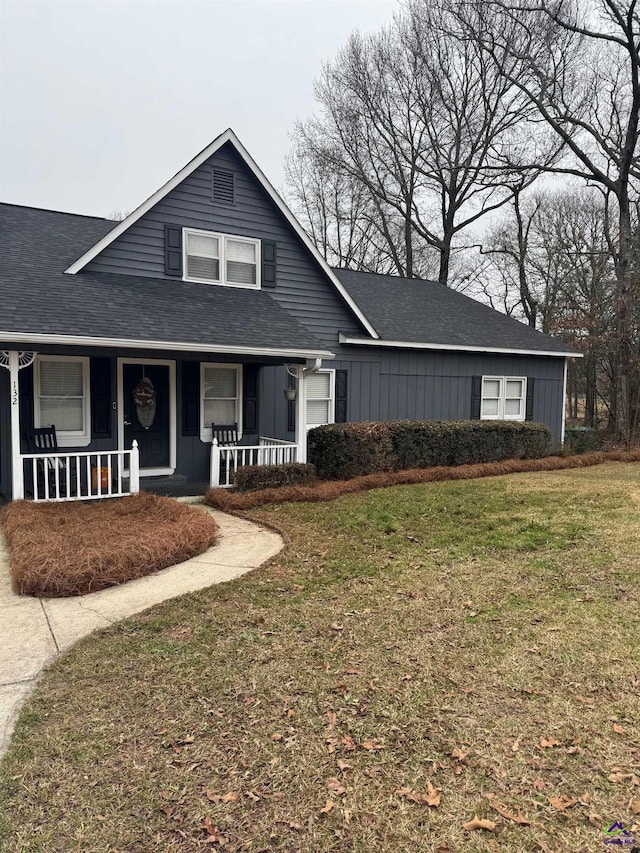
(148, 483)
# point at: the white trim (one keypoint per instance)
(222, 258)
(198, 160)
(331, 399)
(66, 438)
(502, 397)
(179, 346)
(564, 400)
(170, 363)
(344, 339)
(205, 432)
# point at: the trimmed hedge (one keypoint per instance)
(342, 451)
(251, 478)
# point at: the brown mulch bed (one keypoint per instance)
(61, 549)
(329, 490)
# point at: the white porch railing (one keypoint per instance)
(82, 476)
(225, 461)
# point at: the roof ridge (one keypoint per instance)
(61, 212)
(387, 275)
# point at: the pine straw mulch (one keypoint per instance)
(61, 549)
(329, 490)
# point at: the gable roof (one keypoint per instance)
(106, 309)
(192, 165)
(420, 314)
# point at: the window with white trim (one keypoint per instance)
(61, 397)
(221, 259)
(320, 397)
(503, 398)
(220, 396)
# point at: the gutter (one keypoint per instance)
(344, 339)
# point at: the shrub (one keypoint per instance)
(251, 478)
(581, 440)
(342, 451)
(351, 450)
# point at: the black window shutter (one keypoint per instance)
(529, 408)
(291, 405)
(269, 261)
(100, 384)
(250, 398)
(476, 397)
(341, 396)
(191, 398)
(173, 250)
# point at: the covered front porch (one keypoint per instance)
(131, 420)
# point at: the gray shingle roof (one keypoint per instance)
(37, 297)
(419, 311)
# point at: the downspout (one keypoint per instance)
(301, 407)
(564, 399)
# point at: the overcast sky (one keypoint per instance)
(101, 101)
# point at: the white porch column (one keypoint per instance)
(17, 472)
(301, 414)
(14, 361)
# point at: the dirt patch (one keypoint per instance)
(61, 549)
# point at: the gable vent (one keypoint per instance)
(223, 186)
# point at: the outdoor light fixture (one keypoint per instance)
(291, 393)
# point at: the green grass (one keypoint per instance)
(423, 634)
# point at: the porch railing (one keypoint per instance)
(85, 476)
(225, 461)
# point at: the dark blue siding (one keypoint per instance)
(301, 285)
(387, 384)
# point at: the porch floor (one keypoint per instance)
(171, 487)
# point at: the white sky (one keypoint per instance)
(101, 101)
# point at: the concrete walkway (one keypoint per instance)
(34, 631)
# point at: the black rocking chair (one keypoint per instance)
(43, 441)
(226, 434)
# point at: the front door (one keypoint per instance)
(146, 410)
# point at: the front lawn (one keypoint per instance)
(418, 656)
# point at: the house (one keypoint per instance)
(209, 304)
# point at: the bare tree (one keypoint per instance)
(550, 258)
(578, 66)
(422, 121)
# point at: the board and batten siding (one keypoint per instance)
(301, 285)
(425, 385)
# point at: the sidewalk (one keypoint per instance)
(34, 631)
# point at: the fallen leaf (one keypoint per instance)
(229, 797)
(595, 820)
(276, 736)
(349, 743)
(538, 784)
(547, 743)
(430, 798)
(335, 786)
(586, 700)
(562, 803)
(618, 729)
(479, 823)
(332, 718)
(327, 807)
(460, 755)
(502, 810)
(634, 805)
(343, 765)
